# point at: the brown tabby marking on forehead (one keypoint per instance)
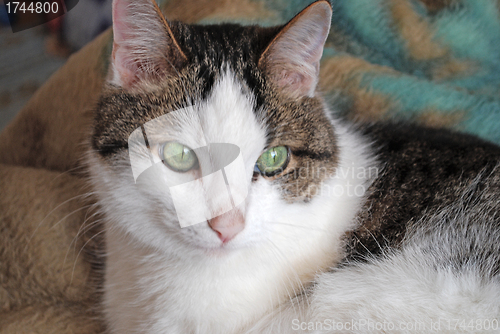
(214, 46)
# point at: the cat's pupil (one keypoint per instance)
(178, 157)
(273, 154)
(273, 161)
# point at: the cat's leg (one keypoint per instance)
(444, 279)
(399, 294)
(402, 294)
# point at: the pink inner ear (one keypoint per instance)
(295, 80)
(141, 42)
(292, 59)
(126, 69)
(119, 18)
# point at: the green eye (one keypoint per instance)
(273, 161)
(178, 157)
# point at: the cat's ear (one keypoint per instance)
(144, 47)
(292, 58)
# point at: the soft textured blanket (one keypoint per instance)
(430, 61)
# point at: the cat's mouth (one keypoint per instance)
(220, 251)
(217, 251)
(218, 245)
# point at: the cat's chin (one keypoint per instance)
(217, 251)
(221, 249)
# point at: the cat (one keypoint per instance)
(236, 202)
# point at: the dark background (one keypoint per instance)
(29, 57)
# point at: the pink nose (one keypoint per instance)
(227, 225)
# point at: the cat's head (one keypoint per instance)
(228, 132)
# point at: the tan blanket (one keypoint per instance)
(49, 270)
(48, 280)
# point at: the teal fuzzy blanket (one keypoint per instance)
(436, 62)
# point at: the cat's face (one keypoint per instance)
(193, 101)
